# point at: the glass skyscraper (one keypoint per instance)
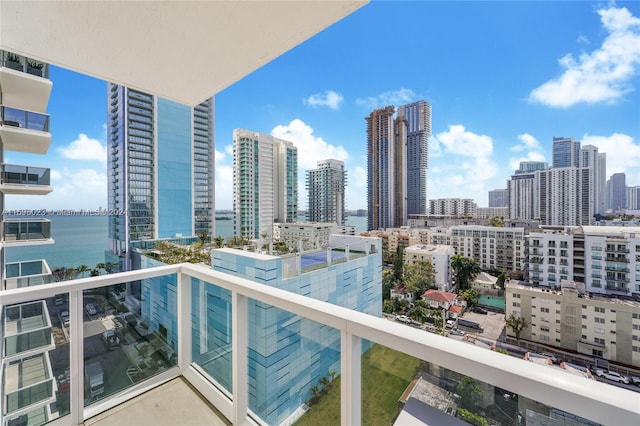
(326, 191)
(565, 152)
(160, 169)
(265, 183)
(397, 162)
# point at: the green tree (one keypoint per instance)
(109, 267)
(388, 281)
(398, 264)
(419, 277)
(82, 269)
(502, 279)
(465, 270)
(469, 393)
(516, 324)
(471, 296)
(418, 314)
(388, 306)
(64, 274)
(219, 241)
(496, 221)
(100, 266)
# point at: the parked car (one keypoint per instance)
(91, 309)
(635, 380)
(479, 310)
(403, 318)
(110, 338)
(450, 323)
(64, 317)
(612, 375)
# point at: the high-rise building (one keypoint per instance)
(265, 183)
(499, 198)
(452, 207)
(417, 118)
(326, 191)
(161, 169)
(565, 152)
(397, 161)
(531, 166)
(617, 192)
(597, 165)
(633, 197)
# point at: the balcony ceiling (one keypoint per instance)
(183, 51)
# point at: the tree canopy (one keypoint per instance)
(465, 270)
(516, 324)
(419, 277)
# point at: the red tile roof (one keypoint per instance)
(439, 296)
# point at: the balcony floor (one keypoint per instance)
(173, 403)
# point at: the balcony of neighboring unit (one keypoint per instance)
(15, 179)
(24, 131)
(27, 384)
(26, 330)
(27, 273)
(617, 249)
(616, 268)
(27, 231)
(613, 286)
(24, 82)
(617, 258)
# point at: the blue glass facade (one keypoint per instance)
(174, 153)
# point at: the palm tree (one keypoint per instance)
(204, 236)
(82, 269)
(465, 270)
(109, 267)
(516, 324)
(219, 241)
(100, 266)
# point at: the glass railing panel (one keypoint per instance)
(400, 389)
(24, 230)
(294, 366)
(14, 117)
(131, 339)
(25, 175)
(26, 327)
(211, 332)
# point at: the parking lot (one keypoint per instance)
(493, 324)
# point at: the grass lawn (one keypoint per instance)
(385, 375)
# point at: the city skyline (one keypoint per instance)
(496, 99)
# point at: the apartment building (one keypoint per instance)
(304, 235)
(453, 207)
(28, 385)
(438, 255)
(160, 170)
(498, 198)
(570, 318)
(402, 237)
(265, 183)
(605, 258)
(492, 247)
(326, 192)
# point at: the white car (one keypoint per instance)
(91, 309)
(64, 316)
(403, 318)
(612, 375)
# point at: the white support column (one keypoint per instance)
(329, 258)
(350, 379)
(184, 315)
(240, 359)
(76, 357)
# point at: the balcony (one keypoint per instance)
(619, 259)
(27, 231)
(24, 82)
(203, 327)
(26, 330)
(27, 384)
(27, 274)
(16, 179)
(24, 131)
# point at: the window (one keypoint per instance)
(544, 328)
(545, 310)
(635, 348)
(598, 309)
(544, 338)
(613, 332)
(599, 341)
(598, 330)
(584, 317)
(599, 320)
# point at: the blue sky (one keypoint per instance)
(503, 78)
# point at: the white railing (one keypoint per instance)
(596, 401)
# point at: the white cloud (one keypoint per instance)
(526, 142)
(514, 162)
(310, 149)
(329, 99)
(229, 150)
(84, 148)
(391, 97)
(72, 189)
(459, 141)
(623, 154)
(582, 39)
(464, 164)
(219, 156)
(224, 187)
(356, 194)
(602, 75)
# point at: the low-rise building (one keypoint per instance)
(571, 318)
(444, 300)
(438, 255)
(304, 235)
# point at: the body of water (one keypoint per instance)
(82, 240)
